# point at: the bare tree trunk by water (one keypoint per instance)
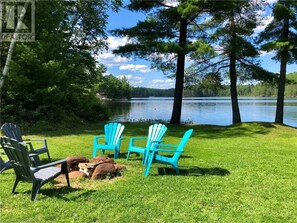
(180, 73)
(279, 115)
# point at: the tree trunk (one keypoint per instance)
(180, 73)
(279, 115)
(233, 90)
(233, 76)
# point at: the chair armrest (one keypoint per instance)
(163, 148)
(27, 140)
(30, 145)
(159, 141)
(97, 138)
(167, 145)
(137, 139)
(132, 140)
(49, 165)
(33, 154)
(168, 150)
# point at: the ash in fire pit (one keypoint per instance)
(95, 168)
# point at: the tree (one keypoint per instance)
(165, 37)
(115, 88)
(232, 23)
(54, 78)
(280, 36)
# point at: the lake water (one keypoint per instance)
(202, 110)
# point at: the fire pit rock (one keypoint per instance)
(73, 161)
(96, 168)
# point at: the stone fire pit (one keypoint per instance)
(96, 168)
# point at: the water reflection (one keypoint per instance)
(203, 110)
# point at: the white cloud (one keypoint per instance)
(162, 84)
(137, 81)
(108, 58)
(115, 42)
(137, 67)
(271, 1)
(134, 81)
(264, 53)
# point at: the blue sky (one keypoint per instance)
(137, 71)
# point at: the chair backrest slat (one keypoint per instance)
(156, 133)
(113, 132)
(12, 131)
(18, 156)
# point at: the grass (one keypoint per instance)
(238, 173)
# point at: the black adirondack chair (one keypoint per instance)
(20, 160)
(13, 131)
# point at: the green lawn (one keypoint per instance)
(239, 173)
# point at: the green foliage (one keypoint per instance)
(54, 78)
(159, 34)
(230, 26)
(280, 34)
(237, 173)
(115, 88)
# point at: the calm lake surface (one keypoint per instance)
(203, 110)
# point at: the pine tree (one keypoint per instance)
(165, 37)
(280, 36)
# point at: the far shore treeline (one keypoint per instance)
(253, 90)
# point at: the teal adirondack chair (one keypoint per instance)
(21, 163)
(13, 131)
(155, 135)
(112, 139)
(155, 157)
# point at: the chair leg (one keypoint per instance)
(94, 152)
(128, 155)
(116, 153)
(148, 164)
(175, 166)
(17, 180)
(35, 189)
(145, 157)
(67, 179)
(64, 170)
(176, 170)
(48, 155)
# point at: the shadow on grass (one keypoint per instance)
(62, 191)
(194, 171)
(59, 192)
(236, 130)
